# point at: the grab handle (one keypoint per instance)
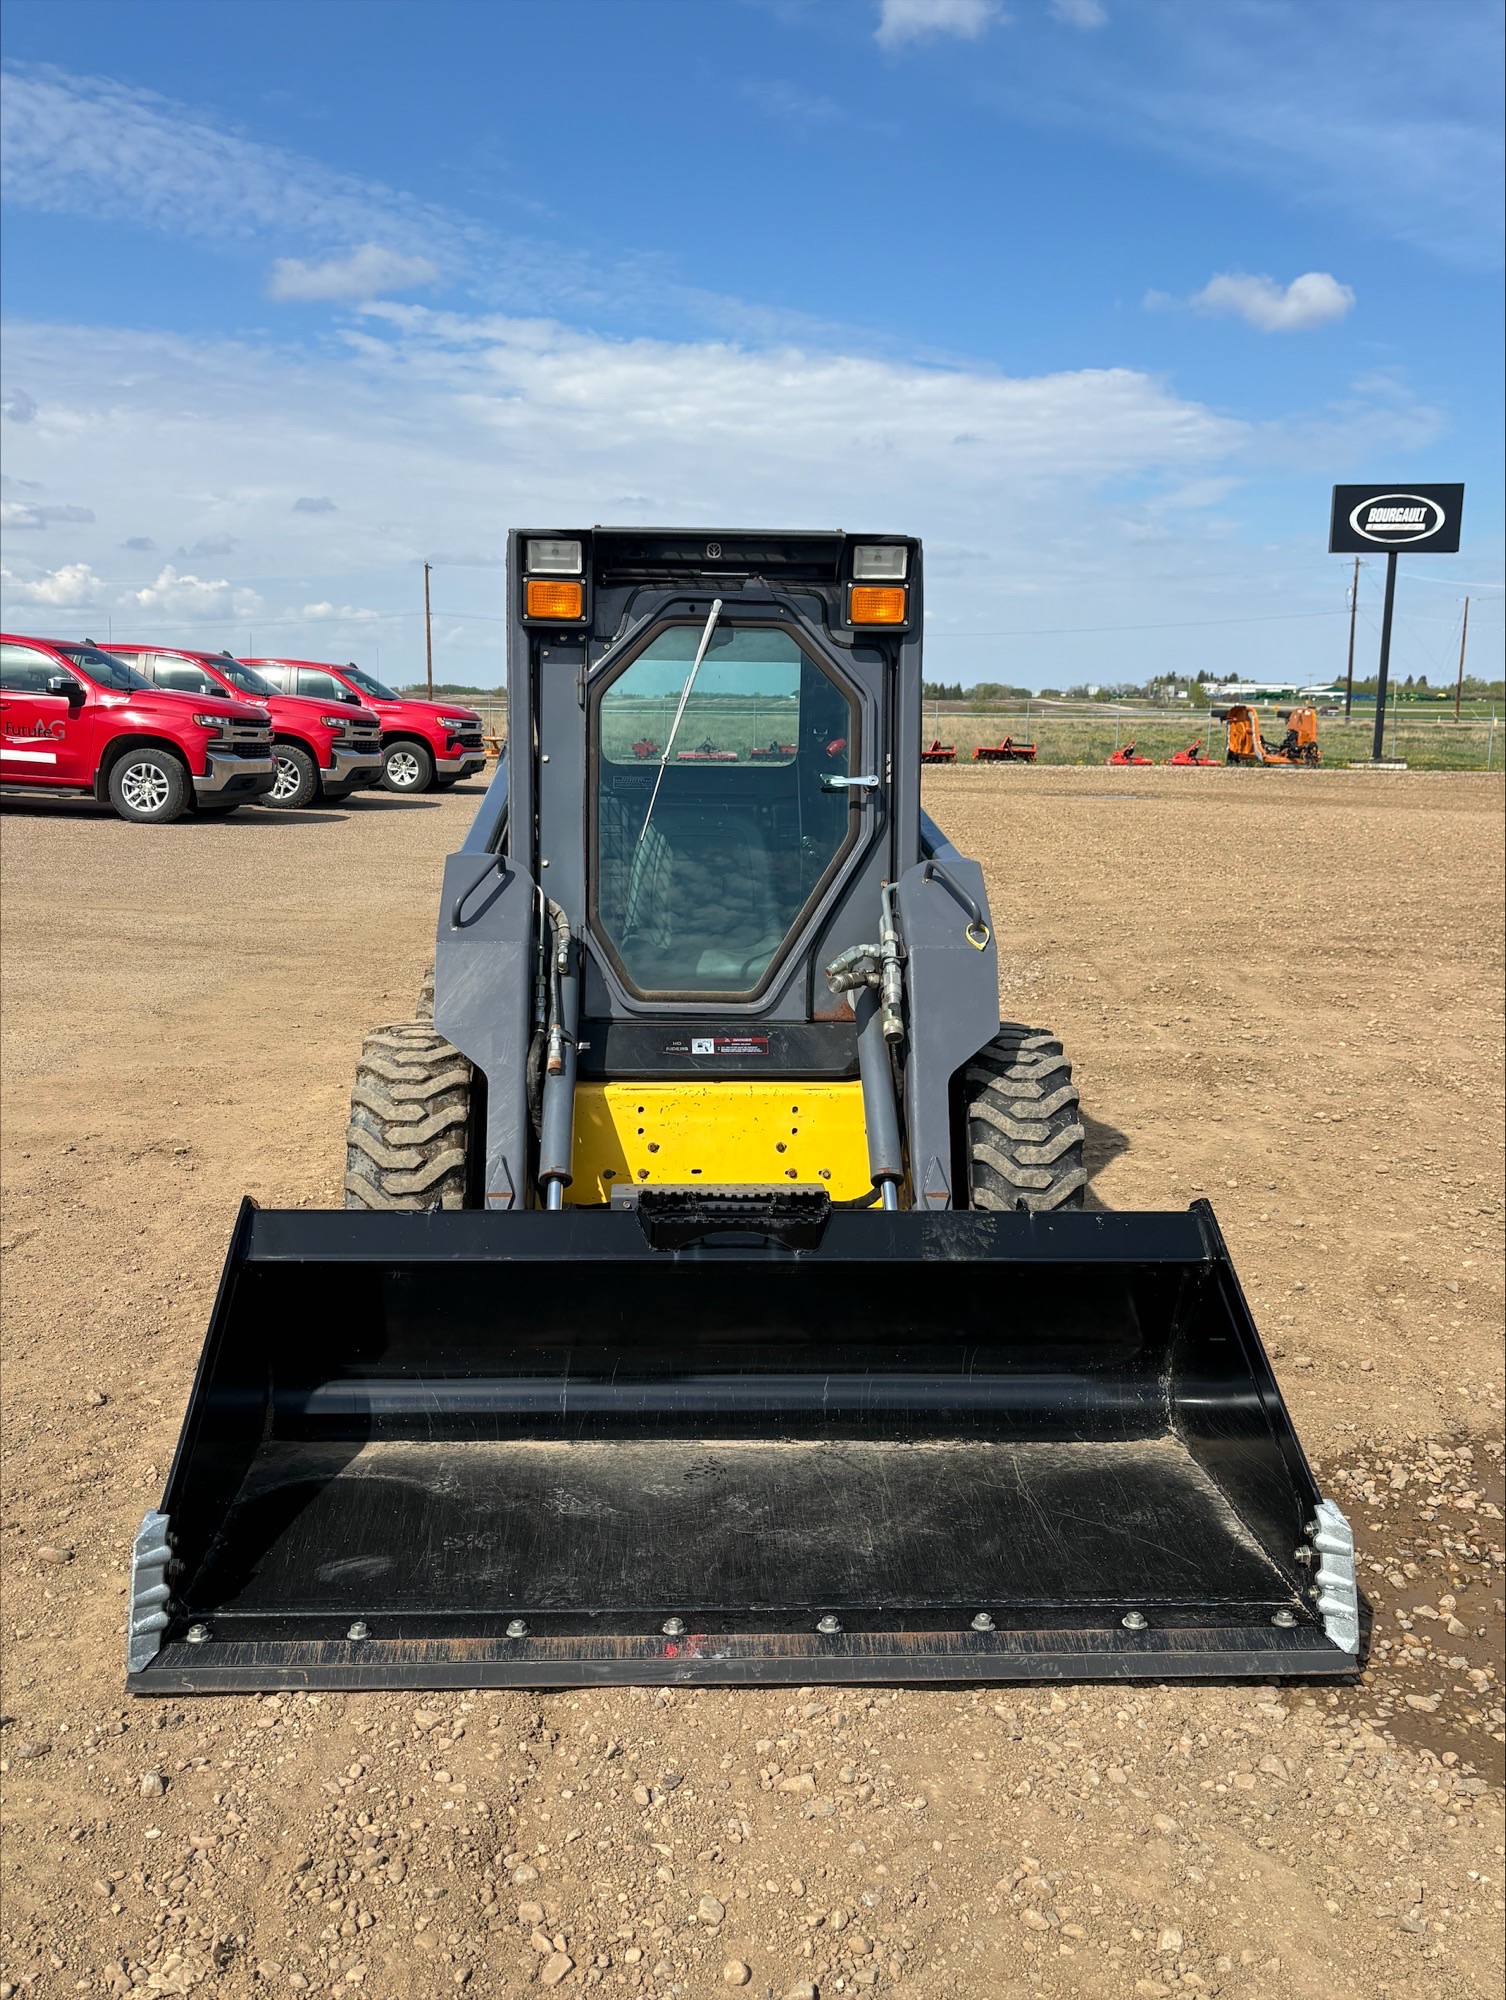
(977, 928)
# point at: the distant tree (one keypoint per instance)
(1050, 694)
(455, 691)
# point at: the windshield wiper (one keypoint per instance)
(700, 654)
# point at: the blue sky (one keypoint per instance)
(1098, 296)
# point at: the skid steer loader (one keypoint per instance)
(715, 1298)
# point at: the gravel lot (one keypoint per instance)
(1281, 988)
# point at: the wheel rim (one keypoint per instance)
(145, 787)
(402, 768)
(289, 778)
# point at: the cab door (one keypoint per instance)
(47, 738)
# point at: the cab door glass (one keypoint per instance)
(718, 815)
(181, 676)
(323, 687)
(23, 670)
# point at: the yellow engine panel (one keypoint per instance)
(720, 1134)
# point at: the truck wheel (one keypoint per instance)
(409, 1117)
(407, 766)
(297, 778)
(1024, 1137)
(149, 785)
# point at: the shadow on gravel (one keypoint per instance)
(368, 802)
(1102, 1144)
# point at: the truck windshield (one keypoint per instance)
(699, 897)
(103, 668)
(367, 685)
(246, 678)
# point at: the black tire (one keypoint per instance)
(410, 1115)
(407, 766)
(150, 786)
(297, 779)
(1024, 1135)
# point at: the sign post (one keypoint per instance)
(1424, 519)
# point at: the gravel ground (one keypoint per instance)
(1282, 989)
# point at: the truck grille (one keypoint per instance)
(469, 739)
(247, 739)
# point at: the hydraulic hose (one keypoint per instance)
(557, 1116)
(873, 974)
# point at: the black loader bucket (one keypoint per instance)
(531, 1449)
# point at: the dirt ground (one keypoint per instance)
(1281, 989)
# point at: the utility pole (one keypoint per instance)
(1354, 605)
(1378, 746)
(429, 636)
(1459, 684)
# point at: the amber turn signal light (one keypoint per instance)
(871, 604)
(548, 599)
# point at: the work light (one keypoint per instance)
(885, 564)
(554, 558)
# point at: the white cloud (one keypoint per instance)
(344, 614)
(908, 20)
(184, 595)
(365, 274)
(23, 514)
(1314, 299)
(314, 503)
(1080, 13)
(91, 146)
(441, 431)
(70, 588)
(19, 407)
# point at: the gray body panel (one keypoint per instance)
(483, 1002)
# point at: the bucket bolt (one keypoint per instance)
(1303, 1555)
(983, 1623)
(1134, 1621)
(358, 1629)
(1284, 1618)
(828, 1626)
(517, 1628)
(673, 1628)
(196, 1634)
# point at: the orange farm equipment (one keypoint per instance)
(1128, 755)
(1193, 754)
(939, 752)
(1246, 745)
(1007, 752)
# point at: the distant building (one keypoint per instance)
(1269, 691)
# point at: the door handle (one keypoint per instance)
(832, 784)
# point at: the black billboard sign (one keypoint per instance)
(1423, 520)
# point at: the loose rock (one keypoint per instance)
(152, 1785)
(57, 1557)
(736, 1973)
(556, 1968)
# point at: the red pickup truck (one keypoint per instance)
(77, 721)
(424, 743)
(326, 746)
